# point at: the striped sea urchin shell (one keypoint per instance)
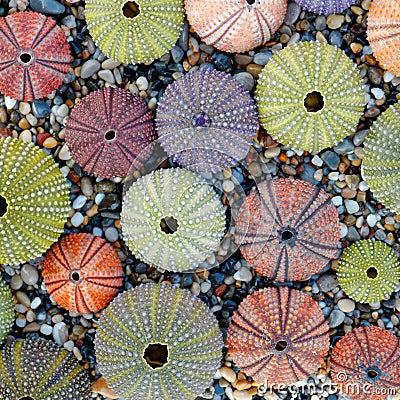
(7, 313)
(235, 26)
(172, 219)
(310, 96)
(34, 55)
(381, 162)
(383, 31)
(325, 7)
(278, 336)
(206, 121)
(368, 271)
(287, 229)
(164, 337)
(110, 132)
(134, 31)
(34, 201)
(365, 363)
(82, 273)
(40, 370)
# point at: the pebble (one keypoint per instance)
(86, 186)
(228, 374)
(89, 68)
(336, 317)
(51, 7)
(327, 282)
(245, 79)
(378, 93)
(79, 202)
(46, 329)
(351, 206)
(64, 153)
(101, 387)
(262, 57)
(106, 75)
(63, 110)
(36, 303)
(331, 159)
(29, 274)
(372, 220)
(40, 108)
(9, 102)
(292, 14)
(228, 186)
(335, 21)
(16, 282)
(77, 219)
(111, 234)
(60, 333)
(242, 395)
(142, 83)
(346, 305)
(243, 275)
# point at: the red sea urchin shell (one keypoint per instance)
(288, 229)
(278, 336)
(365, 363)
(235, 26)
(82, 272)
(34, 55)
(110, 132)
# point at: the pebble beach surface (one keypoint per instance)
(224, 279)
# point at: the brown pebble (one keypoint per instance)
(220, 290)
(101, 387)
(243, 384)
(288, 170)
(348, 193)
(50, 143)
(23, 123)
(254, 69)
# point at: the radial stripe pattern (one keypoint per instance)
(162, 317)
(34, 55)
(368, 359)
(82, 272)
(287, 229)
(278, 336)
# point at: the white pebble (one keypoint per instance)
(244, 275)
(36, 303)
(142, 83)
(343, 230)
(337, 201)
(317, 161)
(46, 329)
(60, 333)
(77, 219)
(79, 202)
(372, 220)
(63, 110)
(9, 102)
(351, 206)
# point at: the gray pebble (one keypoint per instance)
(60, 333)
(335, 38)
(51, 7)
(111, 234)
(292, 14)
(346, 146)
(89, 68)
(79, 202)
(262, 57)
(352, 234)
(336, 317)
(177, 54)
(331, 159)
(327, 282)
(40, 108)
(246, 79)
(29, 274)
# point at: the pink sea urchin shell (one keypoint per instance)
(235, 26)
(110, 132)
(34, 55)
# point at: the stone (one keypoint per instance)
(246, 79)
(177, 54)
(327, 282)
(242, 395)
(336, 38)
(372, 220)
(336, 317)
(262, 57)
(101, 387)
(331, 159)
(346, 146)
(106, 75)
(142, 83)
(86, 186)
(79, 202)
(46, 329)
(51, 7)
(352, 234)
(292, 14)
(60, 333)
(29, 274)
(351, 206)
(77, 220)
(89, 68)
(111, 234)
(40, 109)
(243, 275)
(346, 305)
(334, 21)
(228, 373)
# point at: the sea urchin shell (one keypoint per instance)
(278, 336)
(134, 31)
(163, 336)
(383, 31)
(325, 7)
(173, 219)
(381, 163)
(110, 132)
(365, 363)
(206, 121)
(310, 96)
(82, 272)
(368, 271)
(235, 26)
(40, 370)
(34, 201)
(288, 229)
(7, 313)
(34, 55)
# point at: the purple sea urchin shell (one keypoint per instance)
(110, 132)
(325, 7)
(206, 121)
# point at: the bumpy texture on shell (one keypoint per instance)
(235, 25)
(110, 132)
(288, 87)
(325, 7)
(34, 201)
(139, 39)
(34, 55)
(383, 31)
(206, 121)
(158, 314)
(381, 162)
(150, 204)
(288, 229)
(278, 336)
(82, 273)
(365, 363)
(7, 313)
(368, 271)
(41, 370)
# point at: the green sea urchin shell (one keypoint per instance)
(381, 163)
(34, 201)
(173, 219)
(134, 31)
(40, 370)
(7, 313)
(368, 271)
(310, 96)
(158, 342)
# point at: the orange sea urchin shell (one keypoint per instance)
(34, 55)
(383, 33)
(82, 272)
(288, 229)
(235, 25)
(366, 363)
(278, 336)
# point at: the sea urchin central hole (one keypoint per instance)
(3, 206)
(372, 373)
(25, 58)
(281, 345)
(27, 398)
(250, 2)
(372, 272)
(169, 225)
(75, 276)
(314, 102)
(130, 9)
(110, 135)
(286, 235)
(156, 355)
